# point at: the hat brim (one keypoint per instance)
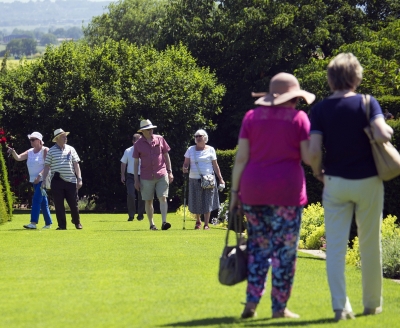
(271, 100)
(147, 128)
(55, 138)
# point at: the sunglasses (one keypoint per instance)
(32, 140)
(198, 136)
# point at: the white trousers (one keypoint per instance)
(341, 199)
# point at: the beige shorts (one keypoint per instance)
(148, 187)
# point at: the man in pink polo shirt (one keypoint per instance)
(155, 171)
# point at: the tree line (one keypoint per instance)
(191, 64)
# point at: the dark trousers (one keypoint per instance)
(131, 199)
(65, 190)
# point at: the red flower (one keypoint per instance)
(3, 140)
(1, 131)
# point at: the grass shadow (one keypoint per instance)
(249, 323)
(310, 258)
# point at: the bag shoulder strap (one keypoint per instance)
(238, 231)
(367, 104)
(195, 160)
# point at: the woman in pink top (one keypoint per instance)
(268, 183)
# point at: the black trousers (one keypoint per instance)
(65, 190)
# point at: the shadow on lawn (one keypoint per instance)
(248, 323)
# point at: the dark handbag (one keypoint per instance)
(386, 156)
(240, 224)
(233, 261)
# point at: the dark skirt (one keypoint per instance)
(201, 200)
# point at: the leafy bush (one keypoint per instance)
(6, 202)
(313, 218)
(390, 249)
(391, 257)
(182, 210)
(353, 256)
(316, 240)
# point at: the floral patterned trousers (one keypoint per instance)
(273, 233)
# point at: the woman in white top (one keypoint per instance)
(201, 201)
(35, 157)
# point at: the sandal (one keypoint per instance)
(153, 227)
(206, 227)
(197, 226)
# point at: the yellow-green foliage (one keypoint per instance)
(389, 229)
(353, 254)
(180, 211)
(313, 218)
(316, 239)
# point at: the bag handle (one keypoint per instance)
(367, 104)
(234, 217)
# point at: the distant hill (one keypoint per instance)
(47, 13)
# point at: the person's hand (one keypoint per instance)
(123, 178)
(137, 185)
(170, 177)
(37, 180)
(79, 184)
(9, 151)
(185, 169)
(221, 181)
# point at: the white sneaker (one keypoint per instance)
(47, 226)
(30, 226)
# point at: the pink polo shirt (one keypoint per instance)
(273, 174)
(151, 155)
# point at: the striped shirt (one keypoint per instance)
(62, 161)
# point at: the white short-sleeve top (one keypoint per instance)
(204, 159)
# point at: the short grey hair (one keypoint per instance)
(202, 132)
(344, 72)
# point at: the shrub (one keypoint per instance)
(316, 239)
(390, 249)
(5, 192)
(181, 211)
(313, 218)
(391, 257)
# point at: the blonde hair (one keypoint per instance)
(344, 72)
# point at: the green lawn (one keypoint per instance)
(115, 273)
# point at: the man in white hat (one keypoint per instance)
(155, 171)
(66, 178)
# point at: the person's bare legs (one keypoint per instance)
(207, 218)
(149, 211)
(163, 208)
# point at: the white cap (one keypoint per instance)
(36, 135)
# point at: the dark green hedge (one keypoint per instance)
(391, 104)
(226, 158)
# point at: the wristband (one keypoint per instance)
(168, 171)
(234, 191)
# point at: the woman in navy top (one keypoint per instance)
(351, 184)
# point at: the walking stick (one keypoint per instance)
(184, 199)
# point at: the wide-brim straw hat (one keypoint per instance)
(145, 125)
(282, 88)
(59, 132)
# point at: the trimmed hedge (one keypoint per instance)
(391, 104)
(226, 159)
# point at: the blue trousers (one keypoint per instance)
(39, 202)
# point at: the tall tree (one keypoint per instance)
(131, 20)
(100, 94)
(248, 41)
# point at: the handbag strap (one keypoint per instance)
(195, 161)
(367, 104)
(233, 216)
